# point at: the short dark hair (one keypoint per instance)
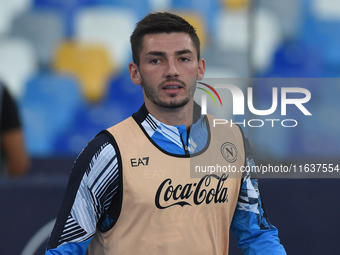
(161, 22)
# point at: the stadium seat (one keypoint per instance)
(17, 63)
(226, 63)
(48, 106)
(326, 9)
(323, 36)
(126, 95)
(234, 30)
(66, 8)
(9, 10)
(140, 7)
(197, 21)
(319, 30)
(289, 13)
(268, 37)
(159, 5)
(110, 27)
(295, 59)
(206, 10)
(90, 63)
(236, 4)
(44, 29)
(123, 99)
(88, 121)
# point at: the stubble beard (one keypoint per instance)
(151, 94)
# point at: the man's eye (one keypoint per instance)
(184, 59)
(154, 61)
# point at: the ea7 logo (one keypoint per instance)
(139, 161)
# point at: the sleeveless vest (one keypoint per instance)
(167, 207)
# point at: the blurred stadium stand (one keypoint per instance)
(65, 61)
(9, 10)
(18, 62)
(43, 29)
(89, 63)
(97, 25)
(48, 106)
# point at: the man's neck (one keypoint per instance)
(173, 116)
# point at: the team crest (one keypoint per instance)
(229, 152)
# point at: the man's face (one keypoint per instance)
(168, 70)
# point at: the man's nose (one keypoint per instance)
(172, 69)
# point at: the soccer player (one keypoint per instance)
(130, 190)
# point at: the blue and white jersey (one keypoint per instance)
(94, 181)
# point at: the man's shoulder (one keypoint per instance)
(101, 143)
(123, 128)
(100, 140)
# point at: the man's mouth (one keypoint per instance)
(172, 87)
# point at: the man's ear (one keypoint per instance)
(134, 73)
(201, 69)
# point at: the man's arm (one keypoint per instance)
(12, 138)
(92, 185)
(255, 234)
(15, 152)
